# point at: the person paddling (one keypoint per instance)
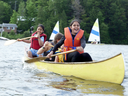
(36, 42)
(73, 39)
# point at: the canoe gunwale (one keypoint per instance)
(92, 62)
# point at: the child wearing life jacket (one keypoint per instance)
(47, 47)
(73, 39)
(60, 58)
(37, 41)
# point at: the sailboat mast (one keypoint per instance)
(99, 31)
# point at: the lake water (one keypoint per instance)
(17, 79)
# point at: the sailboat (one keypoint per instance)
(94, 37)
(55, 31)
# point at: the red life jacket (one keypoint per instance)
(34, 41)
(69, 43)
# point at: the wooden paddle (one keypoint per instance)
(44, 57)
(9, 42)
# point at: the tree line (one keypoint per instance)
(112, 15)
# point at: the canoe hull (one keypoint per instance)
(109, 70)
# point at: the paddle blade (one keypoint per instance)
(35, 59)
(9, 42)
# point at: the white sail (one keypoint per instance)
(95, 33)
(55, 31)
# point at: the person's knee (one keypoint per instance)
(29, 54)
(46, 43)
(76, 57)
(76, 53)
(88, 57)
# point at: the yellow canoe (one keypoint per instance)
(108, 70)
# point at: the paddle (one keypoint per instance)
(9, 42)
(43, 58)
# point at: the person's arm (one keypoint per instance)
(56, 46)
(27, 41)
(41, 41)
(83, 42)
(45, 47)
(56, 59)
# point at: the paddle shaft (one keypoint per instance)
(26, 38)
(9, 42)
(43, 58)
(63, 53)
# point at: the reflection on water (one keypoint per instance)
(84, 86)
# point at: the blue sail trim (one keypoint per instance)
(95, 32)
(55, 32)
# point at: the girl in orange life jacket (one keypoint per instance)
(37, 41)
(73, 39)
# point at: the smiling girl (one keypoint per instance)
(73, 39)
(36, 42)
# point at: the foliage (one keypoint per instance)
(26, 34)
(112, 15)
(13, 35)
(21, 9)
(5, 12)
(13, 19)
(5, 34)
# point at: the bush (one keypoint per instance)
(12, 33)
(5, 34)
(26, 34)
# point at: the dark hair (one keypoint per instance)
(40, 25)
(58, 36)
(75, 20)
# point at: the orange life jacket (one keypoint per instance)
(34, 41)
(69, 43)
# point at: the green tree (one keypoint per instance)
(62, 23)
(48, 29)
(104, 34)
(117, 25)
(5, 12)
(57, 7)
(31, 10)
(125, 6)
(77, 8)
(42, 15)
(22, 23)
(31, 13)
(13, 18)
(26, 34)
(13, 3)
(40, 3)
(21, 9)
